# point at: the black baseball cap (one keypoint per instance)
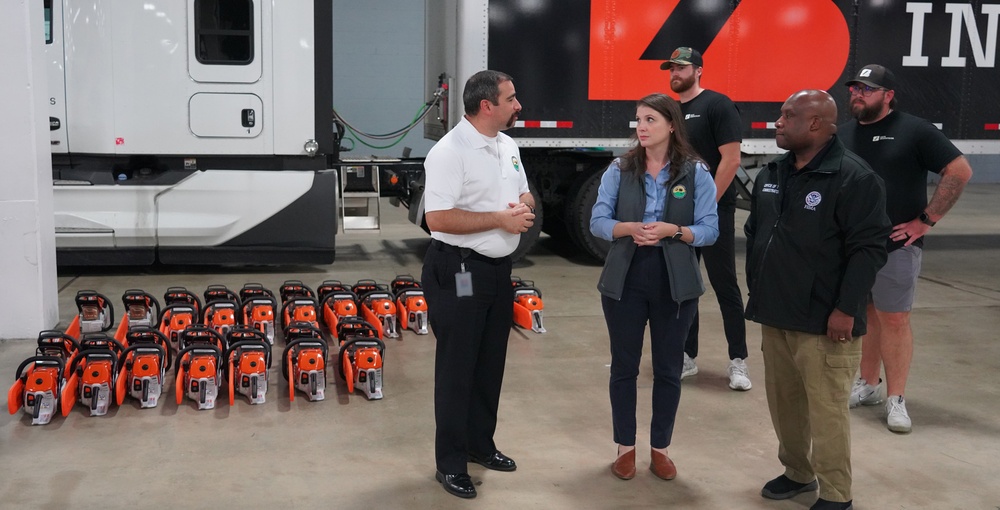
(875, 75)
(684, 56)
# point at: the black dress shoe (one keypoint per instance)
(458, 484)
(497, 461)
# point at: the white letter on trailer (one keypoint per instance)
(985, 55)
(916, 58)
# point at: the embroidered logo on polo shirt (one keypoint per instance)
(813, 199)
(679, 191)
(517, 166)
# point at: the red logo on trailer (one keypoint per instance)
(119, 141)
(765, 50)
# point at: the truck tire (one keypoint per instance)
(581, 202)
(529, 238)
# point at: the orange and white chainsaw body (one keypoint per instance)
(247, 370)
(379, 309)
(412, 307)
(145, 375)
(361, 366)
(220, 315)
(37, 388)
(528, 308)
(96, 383)
(304, 365)
(200, 377)
(258, 313)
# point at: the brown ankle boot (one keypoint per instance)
(624, 466)
(661, 465)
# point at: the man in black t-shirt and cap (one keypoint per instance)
(901, 148)
(713, 125)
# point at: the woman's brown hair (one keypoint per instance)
(679, 149)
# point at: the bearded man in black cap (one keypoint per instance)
(713, 126)
(901, 149)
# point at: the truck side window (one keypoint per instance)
(223, 31)
(48, 21)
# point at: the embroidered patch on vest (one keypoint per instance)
(679, 191)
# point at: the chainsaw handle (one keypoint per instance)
(524, 289)
(288, 290)
(182, 296)
(55, 336)
(261, 344)
(204, 349)
(142, 334)
(211, 305)
(123, 358)
(40, 359)
(93, 341)
(286, 304)
(86, 353)
(305, 326)
(194, 310)
(192, 331)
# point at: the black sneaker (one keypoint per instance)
(783, 487)
(822, 504)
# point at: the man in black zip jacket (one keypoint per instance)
(815, 240)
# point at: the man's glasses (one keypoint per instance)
(863, 90)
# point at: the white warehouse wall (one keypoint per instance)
(27, 232)
(378, 71)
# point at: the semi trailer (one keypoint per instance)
(203, 131)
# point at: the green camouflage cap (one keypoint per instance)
(684, 56)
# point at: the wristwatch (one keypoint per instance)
(926, 220)
(679, 234)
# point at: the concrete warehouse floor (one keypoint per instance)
(347, 452)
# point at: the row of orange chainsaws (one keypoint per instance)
(226, 341)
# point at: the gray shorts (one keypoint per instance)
(896, 282)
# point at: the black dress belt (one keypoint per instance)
(466, 253)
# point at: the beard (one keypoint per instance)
(865, 113)
(511, 120)
(679, 85)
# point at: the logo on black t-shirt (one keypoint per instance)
(879, 138)
(691, 116)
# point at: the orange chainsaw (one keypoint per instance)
(377, 307)
(303, 362)
(411, 306)
(528, 305)
(361, 355)
(91, 376)
(199, 365)
(258, 306)
(142, 366)
(39, 380)
(247, 361)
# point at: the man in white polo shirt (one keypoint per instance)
(477, 205)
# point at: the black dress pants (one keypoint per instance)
(472, 335)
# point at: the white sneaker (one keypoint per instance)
(739, 375)
(689, 368)
(865, 394)
(899, 420)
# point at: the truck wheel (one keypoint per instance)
(529, 238)
(581, 202)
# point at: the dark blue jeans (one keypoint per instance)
(646, 298)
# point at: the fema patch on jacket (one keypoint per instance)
(813, 199)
